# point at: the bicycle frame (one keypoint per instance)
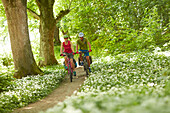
(70, 70)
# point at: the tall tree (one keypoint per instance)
(24, 61)
(47, 29)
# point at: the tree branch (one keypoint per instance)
(63, 31)
(62, 14)
(34, 14)
(69, 4)
(38, 3)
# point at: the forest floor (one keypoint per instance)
(65, 89)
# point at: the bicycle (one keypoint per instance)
(70, 70)
(85, 63)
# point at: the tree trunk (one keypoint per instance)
(47, 27)
(24, 61)
(56, 37)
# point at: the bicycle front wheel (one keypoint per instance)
(70, 73)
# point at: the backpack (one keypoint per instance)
(89, 58)
(73, 61)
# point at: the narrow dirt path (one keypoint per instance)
(65, 89)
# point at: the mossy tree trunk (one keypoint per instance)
(47, 27)
(24, 61)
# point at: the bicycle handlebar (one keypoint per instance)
(74, 53)
(65, 54)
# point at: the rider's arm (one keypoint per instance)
(89, 45)
(61, 49)
(72, 47)
(76, 47)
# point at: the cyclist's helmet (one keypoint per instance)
(81, 34)
(66, 36)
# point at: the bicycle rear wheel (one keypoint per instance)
(70, 73)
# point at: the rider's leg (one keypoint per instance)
(88, 60)
(81, 59)
(73, 66)
(66, 60)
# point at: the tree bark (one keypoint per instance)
(47, 27)
(56, 37)
(24, 61)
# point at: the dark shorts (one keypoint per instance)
(70, 55)
(86, 54)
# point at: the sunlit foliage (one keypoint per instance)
(126, 83)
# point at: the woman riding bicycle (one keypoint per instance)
(82, 43)
(68, 48)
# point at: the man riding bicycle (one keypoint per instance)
(82, 44)
(68, 48)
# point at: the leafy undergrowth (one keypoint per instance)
(127, 83)
(29, 89)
